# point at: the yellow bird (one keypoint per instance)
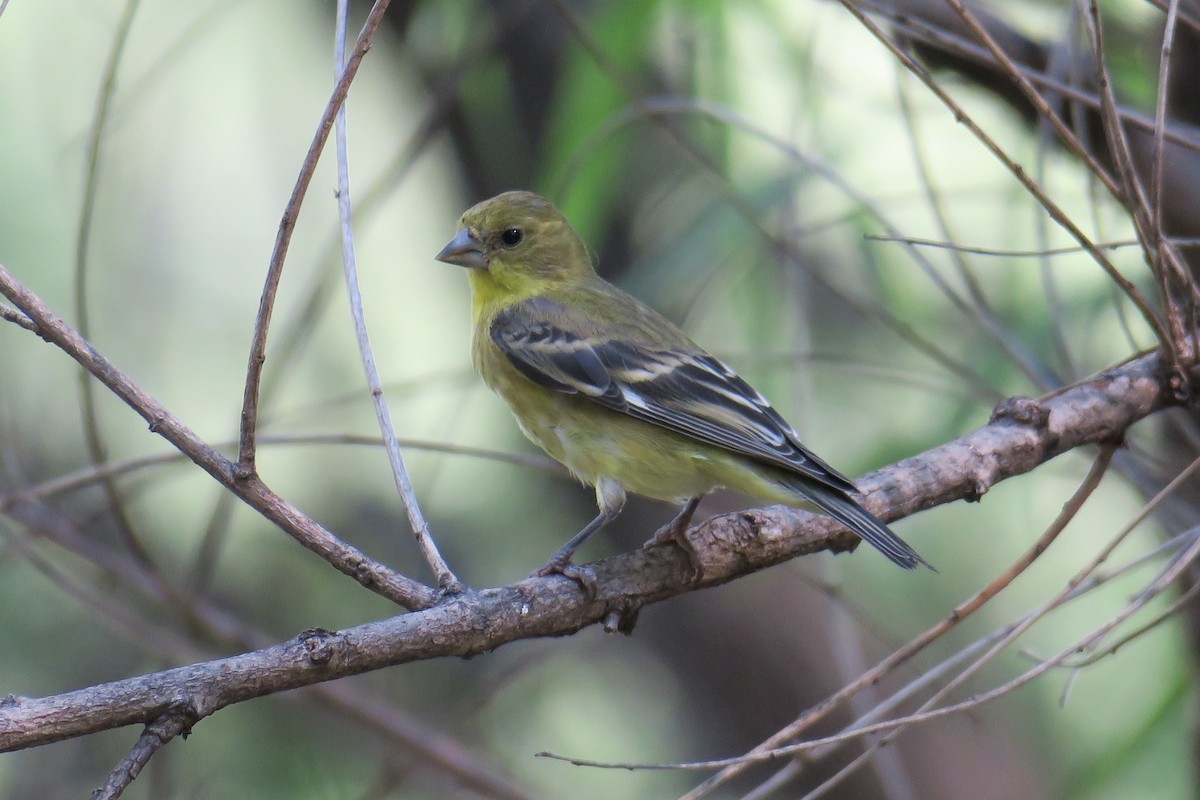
(618, 394)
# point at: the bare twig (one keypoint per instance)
(1053, 209)
(1069, 511)
(93, 438)
(1035, 98)
(445, 578)
(1160, 115)
(1163, 616)
(928, 709)
(155, 735)
(17, 318)
(1035, 368)
(1164, 249)
(938, 37)
(432, 749)
(91, 475)
(258, 347)
(1162, 262)
(661, 108)
(996, 251)
(102, 602)
(776, 745)
(370, 573)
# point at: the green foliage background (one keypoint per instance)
(797, 123)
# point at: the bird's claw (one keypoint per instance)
(676, 534)
(584, 576)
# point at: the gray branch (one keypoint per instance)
(1022, 435)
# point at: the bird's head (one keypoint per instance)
(516, 244)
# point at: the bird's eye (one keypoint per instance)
(511, 237)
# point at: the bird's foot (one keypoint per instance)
(584, 576)
(676, 533)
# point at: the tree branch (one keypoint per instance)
(370, 573)
(1022, 434)
(154, 737)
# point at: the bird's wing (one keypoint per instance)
(684, 390)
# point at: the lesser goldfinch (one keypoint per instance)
(619, 395)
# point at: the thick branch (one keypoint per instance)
(1022, 435)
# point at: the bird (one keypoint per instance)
(618, 394)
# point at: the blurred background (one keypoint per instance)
(748, 168)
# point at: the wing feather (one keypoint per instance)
(682, 389)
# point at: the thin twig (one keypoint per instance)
(298, 330)
(1053, 209)
(775, 746)
(266, 305)
(445, 577)
(375, 576)
(1060, 64)
(1035, 368)
(1133, 194)
(1069, 511)
(1160, 115)
(927, 710)
(939, 38)
(996, 251)
(90, 475)
(97, 450)
(926, 677)
(17, 318)
(102, 603)
(1035, 98)
(1157, 620)
(1162, 245)
(155, 736)
(1162, 581)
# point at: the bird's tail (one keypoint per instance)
(863, 523)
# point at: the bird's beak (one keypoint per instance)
(464, 250)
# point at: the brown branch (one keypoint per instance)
(1055, 211)
(960, 612)
(17, 318)
(370, 573)
(93, 436)
(1023, 434)
(154, 737)
(88, 476)
(1133, 195)
(774, 747)
(209, 631)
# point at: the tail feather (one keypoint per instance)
(864, 524)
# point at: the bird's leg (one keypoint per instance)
(611, 498)
(674, 533)
(562, 558)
